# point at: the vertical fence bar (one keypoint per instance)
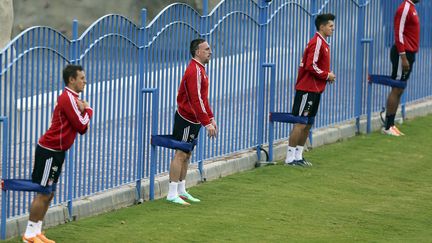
(272, 67)
(74, 60)
(201, 149)
(369, 85)
(359, 65)
(403, 103)
(205, 9)
(261, 87)
(154, 131)
(140, 145)
(5, 163)
(312, 30)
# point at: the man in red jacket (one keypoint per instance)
(402, 56)
(193, 110)
(71, 116)
(314, 73)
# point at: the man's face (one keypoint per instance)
(77, 84)
(328, 28)
(203, 53)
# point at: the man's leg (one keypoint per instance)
(185, 165)
(182, 183)
(174, 175)
(302, 141)
(38, 209)
(295, 138)
(392, 105)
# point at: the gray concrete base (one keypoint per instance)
(126, 195)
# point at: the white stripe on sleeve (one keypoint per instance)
(199, 89)
(402, 22)
(84, 120)
(316, 55)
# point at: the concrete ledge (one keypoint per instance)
(125, 195)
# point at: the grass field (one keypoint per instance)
(371, 188)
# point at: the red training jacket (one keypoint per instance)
(192, 96)
(314, 66)
(407, 28)
(67, 121)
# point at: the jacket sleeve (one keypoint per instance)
(197, 101)
(311, 64)
(79, 121)
(208, 109)
(399, 28)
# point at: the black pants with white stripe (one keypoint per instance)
(47, 166)
(306, 103)
(396, 60)
(185, 130)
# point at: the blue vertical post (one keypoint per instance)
(272, 67)
(205, 8)
(314, 12)
(369, 87)
(403, 103)
(153, 155)
(141, 60)
(71, 172)
(200, 149)
(261, 86)
(5, 163)
(369, 107)
(359, 65)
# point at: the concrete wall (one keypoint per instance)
(6, 20)
(213, 169)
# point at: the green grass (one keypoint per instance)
(371, 188)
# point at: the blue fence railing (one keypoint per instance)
(121, 58)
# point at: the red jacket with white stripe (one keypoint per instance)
(67, 121)
(314, 66)
(192, 96)
(407, 28)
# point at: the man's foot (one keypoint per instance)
(391, 131)
(44, 239)
(31, 240)
(178, 200)
(292, 163)
(187, 196)
(304, 162)
(398, 131)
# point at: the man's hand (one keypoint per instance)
(211, 131)
(213, 122)
(405, 63)
(82, 104)
(331, 77)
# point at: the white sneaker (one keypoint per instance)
(390, 131)
(397, 130)
(288, 162)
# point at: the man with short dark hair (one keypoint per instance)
(402, 56)
(193, 110)
(314, 73)
(71, 116)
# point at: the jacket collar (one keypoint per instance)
(198, 62)
(324, 39)
(71, 91)
(410, 2)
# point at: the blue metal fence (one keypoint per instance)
(121, 58)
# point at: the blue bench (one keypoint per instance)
(168, 141)
(25, 185)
